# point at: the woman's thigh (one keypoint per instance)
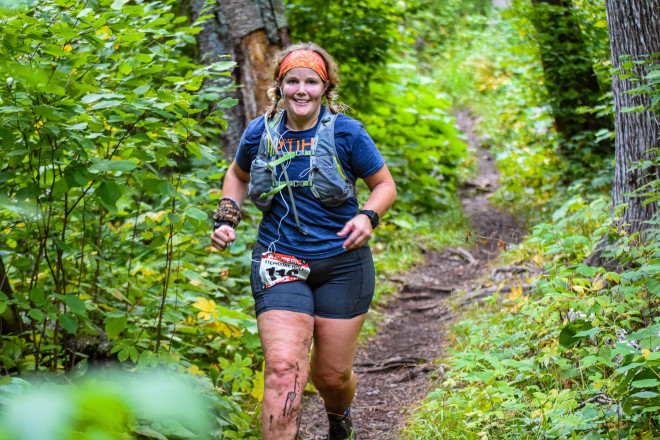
(285, 337)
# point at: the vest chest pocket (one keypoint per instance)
(261, 182)
(329, 185)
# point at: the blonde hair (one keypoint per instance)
(331, 92)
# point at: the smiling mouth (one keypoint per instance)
(301, 101)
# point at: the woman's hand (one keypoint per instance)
(223, 237)
(235, 187)
(359, 228)
(383, 194)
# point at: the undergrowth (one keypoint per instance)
(491, 65)
(577, 358)
(575, 354)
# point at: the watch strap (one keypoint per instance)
(373, 217)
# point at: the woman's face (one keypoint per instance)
(302, 89)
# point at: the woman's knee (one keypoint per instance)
(284, 374)
(324, 377)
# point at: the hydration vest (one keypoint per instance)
(326, 179)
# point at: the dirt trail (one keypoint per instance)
(396, 367)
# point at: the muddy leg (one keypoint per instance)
(285, 339)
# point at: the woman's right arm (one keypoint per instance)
(234, 187)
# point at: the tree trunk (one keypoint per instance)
(570, 80)
(634, 27)
(251, 32)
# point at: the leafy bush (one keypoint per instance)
(108, 405)
(580, 358)
(412, 126)
(105, 181)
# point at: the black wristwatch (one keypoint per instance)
(373, 217)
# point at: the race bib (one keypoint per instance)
(279, 268)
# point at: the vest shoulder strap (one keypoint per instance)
(325, 135)
(270, 136)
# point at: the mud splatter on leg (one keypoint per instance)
(290, 397)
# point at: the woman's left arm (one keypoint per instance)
(383, 194)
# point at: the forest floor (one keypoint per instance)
(398, 366)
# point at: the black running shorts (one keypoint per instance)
(339, 287)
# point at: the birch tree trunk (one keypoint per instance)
(634, 27)
(251, 32)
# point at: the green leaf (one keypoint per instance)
(645, 383)
(141, 90)
(124, 68)
(146, 358)
(585, 270)
(56, 90)
(194, 149)
(222, 65)
(91, 97)
(173, 428)
(227, 103)
(106, 104)
(197, 214)
(69, 323)
(115, 326)
(37, 314)
(38, 296)
(75, 304)
(122, 165)
(109, 192)
(80, 126)
(645, 395)
(567, 337)
(148, 432)
(117, 5)
(631, 366)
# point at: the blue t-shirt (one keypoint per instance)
(359, 158)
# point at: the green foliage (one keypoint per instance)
(493, 65)
(439, 25)
(572, 91)
(105, 178)
(415, 132)
(578, 359)
(644, 72)
(358, 34)
(108, 405)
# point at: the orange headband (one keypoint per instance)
(304, 58)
